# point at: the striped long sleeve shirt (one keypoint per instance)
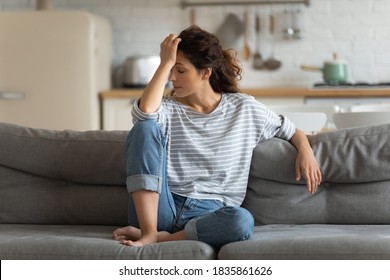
(209, 155)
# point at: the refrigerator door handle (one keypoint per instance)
(6, 95)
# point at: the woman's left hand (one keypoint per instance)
(306, 166)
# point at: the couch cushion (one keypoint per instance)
(30, 199)
(51, 242)
(312, 242)
(62, 177)
(345, 156)
(355, 164)
(92, 157)
(272, 202)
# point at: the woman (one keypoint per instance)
(189, 154)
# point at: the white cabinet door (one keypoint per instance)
(280, 100)
(345, 103)
(117, 113)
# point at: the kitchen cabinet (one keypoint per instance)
(116, 108)
(116, 104)
(269, 100)
(344, 103)
(117, 113)
(343, 97)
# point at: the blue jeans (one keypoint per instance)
(205, 220)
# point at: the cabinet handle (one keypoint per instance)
(6, 95)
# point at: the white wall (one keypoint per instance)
(358, 30)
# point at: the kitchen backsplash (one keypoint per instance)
(357, 30)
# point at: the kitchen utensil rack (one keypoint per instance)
(184, 4)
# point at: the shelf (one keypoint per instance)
(278, 92)
(184, 4)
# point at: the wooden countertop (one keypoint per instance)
(279, 92)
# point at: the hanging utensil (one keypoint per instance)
(246, 52)
(192, 17)
(231, 29)
(289, 31)
(272, 63)
(297, 24)
(258, 62)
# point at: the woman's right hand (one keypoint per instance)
(168, 49)
(151, 97)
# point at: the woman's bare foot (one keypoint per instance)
(144, 240)
(127, 233)
(131, 236)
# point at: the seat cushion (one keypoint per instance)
(52, 242)
(313, 242)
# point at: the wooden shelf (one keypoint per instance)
(277, 92)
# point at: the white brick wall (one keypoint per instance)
(358, 30)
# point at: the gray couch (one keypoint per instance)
(62, 194)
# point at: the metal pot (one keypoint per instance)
(139, 70)
(334, 72)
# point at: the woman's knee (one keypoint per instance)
(226, 225)
(144, 130)
(145, 136)
(145, 150)
(241, 222)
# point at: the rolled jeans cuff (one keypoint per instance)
(190, 230)
(143, 182)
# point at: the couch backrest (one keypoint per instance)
(62, 177)
(355, 164)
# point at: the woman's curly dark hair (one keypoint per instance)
(203, 50)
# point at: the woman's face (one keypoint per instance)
(185, 78)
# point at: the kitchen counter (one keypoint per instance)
(116, 104)
(363, 92)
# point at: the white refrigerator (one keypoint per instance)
(53, 64)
